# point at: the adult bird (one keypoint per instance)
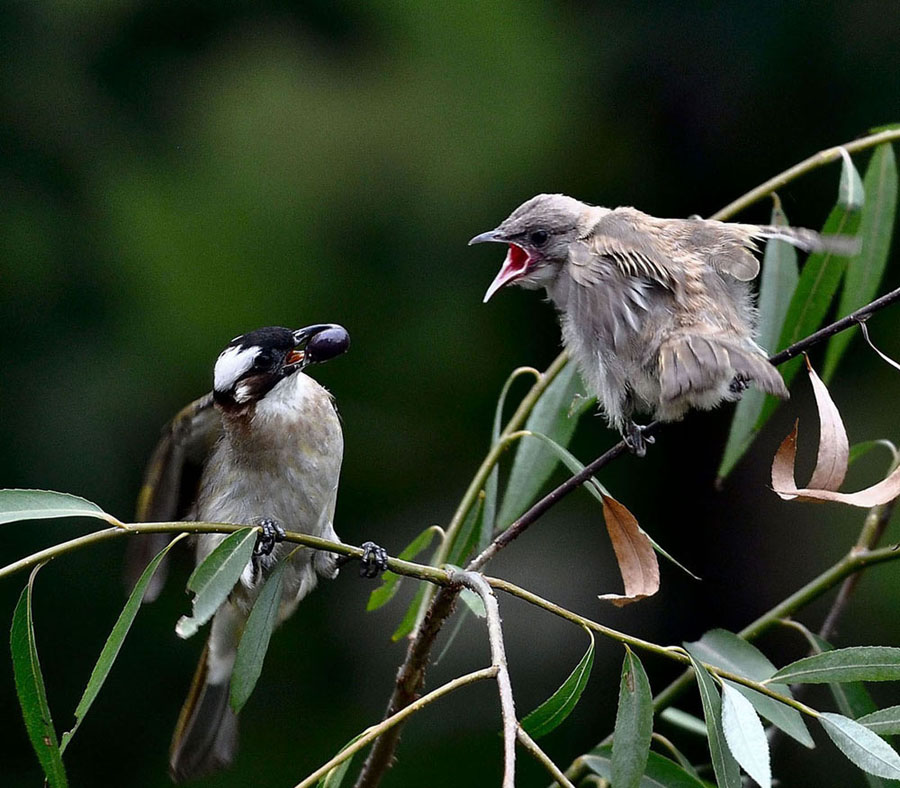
(264, 448)
(657, 313)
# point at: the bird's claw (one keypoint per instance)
(635, 439)
(373, 561)
(739, 384)
(270, 534)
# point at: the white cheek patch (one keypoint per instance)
(231, 364)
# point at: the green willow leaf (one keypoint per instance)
(254, 642)
(553, 711)
(851, 194)
(864, 748)
(683, 721)
(812, 299)
(31, 692)
(390, 581)
(533, 465)
(725, 650)
(876, 227)
(745, 736)
(114, 642)
(777, 285)
(634, 724)
(884, 722)
(660, 772)
(213, 579)
(409, 618)
(16, 505)
(857, 663)
(725, 767)
(335, 777)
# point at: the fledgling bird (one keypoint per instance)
(275, 463)
(657, 313)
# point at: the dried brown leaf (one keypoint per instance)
(634, 553)
(783, 482)
(783, 466)
(834, 448)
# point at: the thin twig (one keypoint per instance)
(477, 583)
(408, 568)
(386, 724)
(817, 160)
(874, 526)
(532, 746)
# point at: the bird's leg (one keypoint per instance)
(270, 534)
(739, 385)
(373, 561)
(633, 435)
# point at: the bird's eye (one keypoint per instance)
(265, 359)
(539, 237)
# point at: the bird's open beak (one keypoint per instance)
(299, 357)
(515, 264)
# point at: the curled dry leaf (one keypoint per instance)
(834, 448)
(783, 482)
(634, 553)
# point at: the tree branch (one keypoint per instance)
(477, 583)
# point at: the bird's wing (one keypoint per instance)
(663, 250)
(170, 483)
(628, 239)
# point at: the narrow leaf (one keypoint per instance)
(857, 663)
(779, 279)
(834, 448)
(533, 464)
(815, 291)
(883, 356)
(390, 582)
(859, 450)
(213, 579)
(725, 767)
(634, 724)
(114, 642)
(553, 711)
(634, 554)
(745, 736)
(885, 722)
(335, 777)
(785, 485)
(16, 505)
(473, 602)
(660, 772)
(684, 721)
(865, 749)
(850, 189)
(254, 642)
(725, 650)
(864, 274)
(31, 691)
(409, 618)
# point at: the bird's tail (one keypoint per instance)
(810, 240)
(205, 738)
(692, 364)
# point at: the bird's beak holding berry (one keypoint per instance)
(515, 265)
(317, 343)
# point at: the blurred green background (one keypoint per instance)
(175, 173)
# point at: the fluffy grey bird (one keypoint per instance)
(657, 313)
(268, 446)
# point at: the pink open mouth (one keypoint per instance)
(514, 266)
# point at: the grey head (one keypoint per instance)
(256, 362)
(539, 233)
